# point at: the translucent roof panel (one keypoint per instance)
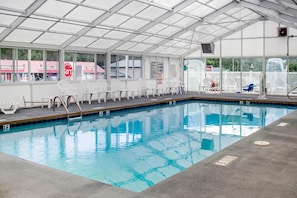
(133, 8)
(6, 18)
(115, 20)
(140, 47)
(52, 38)
(98, 32)
(216, 4)
(173, 19)
(37, 24)
(22, 36)
(134, 24)
(153, 40)
(83, 41)
(186, 21)
(103, 43)
(126, 46)
(84, 14)
(66, 28)
(167, 3)
(55, 8)
(105, 4)
(116, 34)
(151, 13)
(16, 4)
(139, 38)
(169, 31)
(157, 28)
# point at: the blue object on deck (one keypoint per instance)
(249, 87)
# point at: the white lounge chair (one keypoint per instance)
(9, 107)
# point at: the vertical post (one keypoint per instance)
(107, 68)
(61, 64)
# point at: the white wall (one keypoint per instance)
(259, 39)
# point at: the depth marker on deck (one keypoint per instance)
(282, 124)
(226, 160)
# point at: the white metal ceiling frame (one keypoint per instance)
(281, 13)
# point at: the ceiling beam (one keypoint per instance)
(33, 7)
(177, 8)
(193, 26)
(95, 23)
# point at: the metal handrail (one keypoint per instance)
(66, 105)
(292, 91)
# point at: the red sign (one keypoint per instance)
(208, 68)
(67, 70)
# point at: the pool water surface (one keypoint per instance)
(135, 149)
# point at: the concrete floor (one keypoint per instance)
(249, 170)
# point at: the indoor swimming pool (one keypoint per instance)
(138, 148)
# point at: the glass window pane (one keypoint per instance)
(6, 65)
(37, 67)
(85, 66)
(292, 75)
(22, 65)
(276, 76)
(101, 66)
(52, 65)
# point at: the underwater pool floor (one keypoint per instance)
(244, 169)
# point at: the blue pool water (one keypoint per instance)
(135, 149)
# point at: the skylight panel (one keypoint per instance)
(115, 20)
(216, 4)
(6, 18)
(202, 11)
(169, 31)
(103, 43)
(117, 34)
(22, 36)
(173, 18)
(52, 38)
(2, 29)
(180, 51)
(186, 34)
(185, 22)
(83, 42)
(139, 38)
(168, 50)
(84, 14)
(168, 3)
(134, 24)
(156, 28)
(235, 25)
(191, 7)
(16, 4)
(218, 18)
(37, 24)
(97, 32)
(105, 4)
(157, 50)
(153, 40)
(140, 47)
(151, 13)
(66, 28)
(126, 46)
(55, 8)
(133, 8)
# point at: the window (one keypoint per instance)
(85, 66)
(52, 65)
(37, 66)
(6, 65)
(22, 68)
(100, 69)
(124, 66)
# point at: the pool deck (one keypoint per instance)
(243, 169)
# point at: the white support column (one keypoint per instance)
(61, 65)
(107, 67)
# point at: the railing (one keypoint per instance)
(67, 104)
(292, 94)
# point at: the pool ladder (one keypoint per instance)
(65, 105)
(292, 94)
